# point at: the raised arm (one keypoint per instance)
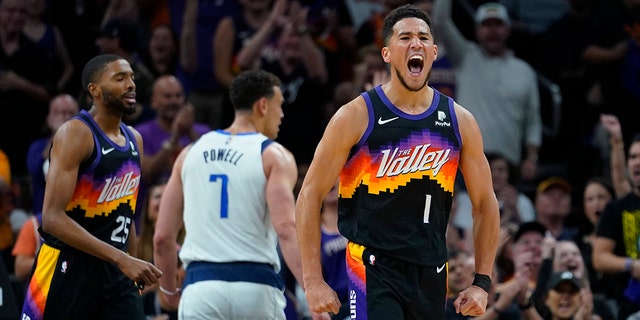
(188, 45)
(67, 64)
(250, 52)
(312, 56)
(223, 48)
(447, 32)
(619, 179)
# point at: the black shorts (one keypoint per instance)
(69, 284)
(382, 287)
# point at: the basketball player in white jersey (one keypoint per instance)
(233, 190)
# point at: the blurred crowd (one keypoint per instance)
(553, 84)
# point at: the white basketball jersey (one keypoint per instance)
(225, 211)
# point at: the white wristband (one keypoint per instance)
(169, 293)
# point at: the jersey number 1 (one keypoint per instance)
(427, 208)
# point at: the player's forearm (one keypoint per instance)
(133, 241)
(288, 241)
(70, 232)
(486, 235)
(308, 229)
(165, 258)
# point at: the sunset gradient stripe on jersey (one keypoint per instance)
(90, 188)
(364, 165)
(355, 265)
(38, 289)
(356, 271)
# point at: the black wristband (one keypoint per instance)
(483, 281)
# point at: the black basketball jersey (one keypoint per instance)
(396, 188)
(106, 192)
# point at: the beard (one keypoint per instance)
(404, 83)
(116, 103)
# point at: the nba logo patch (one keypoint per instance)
(63, 267)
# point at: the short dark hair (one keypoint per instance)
(635, 138)
(531, 226)
(95, 67)
(399, 13)
(249, 86)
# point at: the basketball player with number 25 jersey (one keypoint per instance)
(84, 270)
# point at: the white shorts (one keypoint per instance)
(239, 300)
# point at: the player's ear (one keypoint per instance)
(261, 106)
(93, 89)
(386, 55)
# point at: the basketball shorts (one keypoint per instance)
(234, 290)
(382, 287)
(69, 284)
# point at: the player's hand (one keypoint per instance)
(140, 271)
(321, 298)
(471, 302)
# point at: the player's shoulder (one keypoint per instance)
(135, 132)
(74, 138)
(351, 113)
(356, 104)
(73, 128)
(277, 151)
(462, 113)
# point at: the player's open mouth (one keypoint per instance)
(416, 63)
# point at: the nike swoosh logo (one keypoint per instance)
(381, 122)
(106, 151)
(439, 269)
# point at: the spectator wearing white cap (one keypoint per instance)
(500, 89)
